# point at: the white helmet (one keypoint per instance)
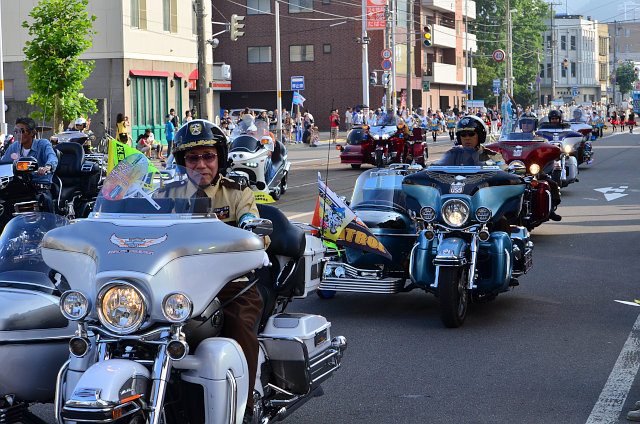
(81, 121)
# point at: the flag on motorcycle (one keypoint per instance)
(298, 99)
(338, 223)
(118, 151)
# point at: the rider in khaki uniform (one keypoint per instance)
(201, 147)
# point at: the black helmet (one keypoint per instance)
(529, 117)
(555, 114)
(472, 123)
(201, 133)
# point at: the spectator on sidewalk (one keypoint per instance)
(334, 119)
(122, 122)
(169, 132)
(348, 119)
(187, 115)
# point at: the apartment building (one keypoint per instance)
(145, 55)
(581, 44)
(321, 41)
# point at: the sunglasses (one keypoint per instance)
(206, 157)
(466, 134)
(20, 131)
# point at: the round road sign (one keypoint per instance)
(498, 55)
(386, 64)
(386, 54)
(538, 79)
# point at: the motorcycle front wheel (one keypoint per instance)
(454, 297)
(379, 162)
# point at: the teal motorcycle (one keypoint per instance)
(452, 231)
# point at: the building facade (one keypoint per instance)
(578, 57)
(321, 41)
(145, 52)
(624, 47)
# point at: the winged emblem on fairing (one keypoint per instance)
(136, 242)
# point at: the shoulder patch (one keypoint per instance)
(229, 183)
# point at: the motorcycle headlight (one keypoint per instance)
(567, 148)
(74, 305)
(376, 137)
(428, 213)
(251, 164)
(534, 169)
(385, 136)
(483, 214)
(455, 212)
(177, 307)
(121, 307)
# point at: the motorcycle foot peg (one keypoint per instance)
(514, 282)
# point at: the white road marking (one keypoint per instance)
(626, 302)
(611, 193)
(609, 406)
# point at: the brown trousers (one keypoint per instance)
(240, 318)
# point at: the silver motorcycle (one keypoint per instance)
(144, 271)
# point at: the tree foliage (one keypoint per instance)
(491, 30)
(60, 31)
(625, 77)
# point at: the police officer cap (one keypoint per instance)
(200, 133)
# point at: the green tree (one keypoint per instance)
(61, 30)
(528, 28)
(625, 77)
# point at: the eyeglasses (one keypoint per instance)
(466, 134)
(206, 157)
(20, 131)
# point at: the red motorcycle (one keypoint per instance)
(528, 156)
(381, 145)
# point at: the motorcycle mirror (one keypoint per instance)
(258, 226)
(27, 164)
(517, 168)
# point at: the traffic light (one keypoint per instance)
(636, 70)
(386, 78)
(236, 27)
(530, 86)
(373, 78)
(427, 35)
(565, 64)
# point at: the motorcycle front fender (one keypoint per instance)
(451, 251)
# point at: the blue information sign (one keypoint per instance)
(496, 90)
(297, 83)
(575, 91)
(496, 83)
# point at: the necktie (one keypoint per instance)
(201, 202)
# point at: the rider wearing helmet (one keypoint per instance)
(528, 122)
(555, 117)
(201, 146)
(472, 132)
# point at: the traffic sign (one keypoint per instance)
(466, 91)
(386, 64)
(575, 91)
(426, 85)
(297, 83)
(496, 82)
(538, 79)
(496, 90)
(386, 54)
(498, 55)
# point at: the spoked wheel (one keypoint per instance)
(454, 296)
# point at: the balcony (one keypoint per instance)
(443, 73)
(444, 37)
(472, 40)
(441, 5)
(469, 9)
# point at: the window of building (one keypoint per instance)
(573, 69)
(573, 42)
(549, 71)
(326, 48)
(303, 53)
(258, 7)
(563, 42)
(627, 32)
(300, 6)
(603, 72)
(617, 48)
(564, 72)
(260, 54)
(326, 1)
(139, 14)
(626, 48)
(8, 89)
(549, 42)
(542, 72)
(170, 15)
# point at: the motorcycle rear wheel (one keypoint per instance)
(454, 296)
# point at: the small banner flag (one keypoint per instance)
(262, 197)
(118, 151)
(340, 224)
(298, 99)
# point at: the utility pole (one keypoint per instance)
(364, 42)
(553, 54)
(410, 28)
(279, 115)
(394, 10)
(203, 104)
(388, 45)
(615, 59)
(467, 68)
(3, 121)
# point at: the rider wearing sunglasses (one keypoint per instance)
(40, 149)
(201, 146)
(471, 132)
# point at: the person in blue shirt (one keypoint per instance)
(169, 132)
(27, 145)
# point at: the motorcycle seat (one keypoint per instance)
(278, 152)
(286, 239)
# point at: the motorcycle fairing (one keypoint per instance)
(214, 254)
(530, 152)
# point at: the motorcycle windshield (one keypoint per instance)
(517, 136)
(245, 143)
(256, 128)
(379, 189)
(131, 189)
(20, 255)
(460, 156)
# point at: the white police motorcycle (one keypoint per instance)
(257, 161)
(144, 273)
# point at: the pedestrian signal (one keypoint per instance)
(373, 78)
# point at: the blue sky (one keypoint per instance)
(597, 9)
